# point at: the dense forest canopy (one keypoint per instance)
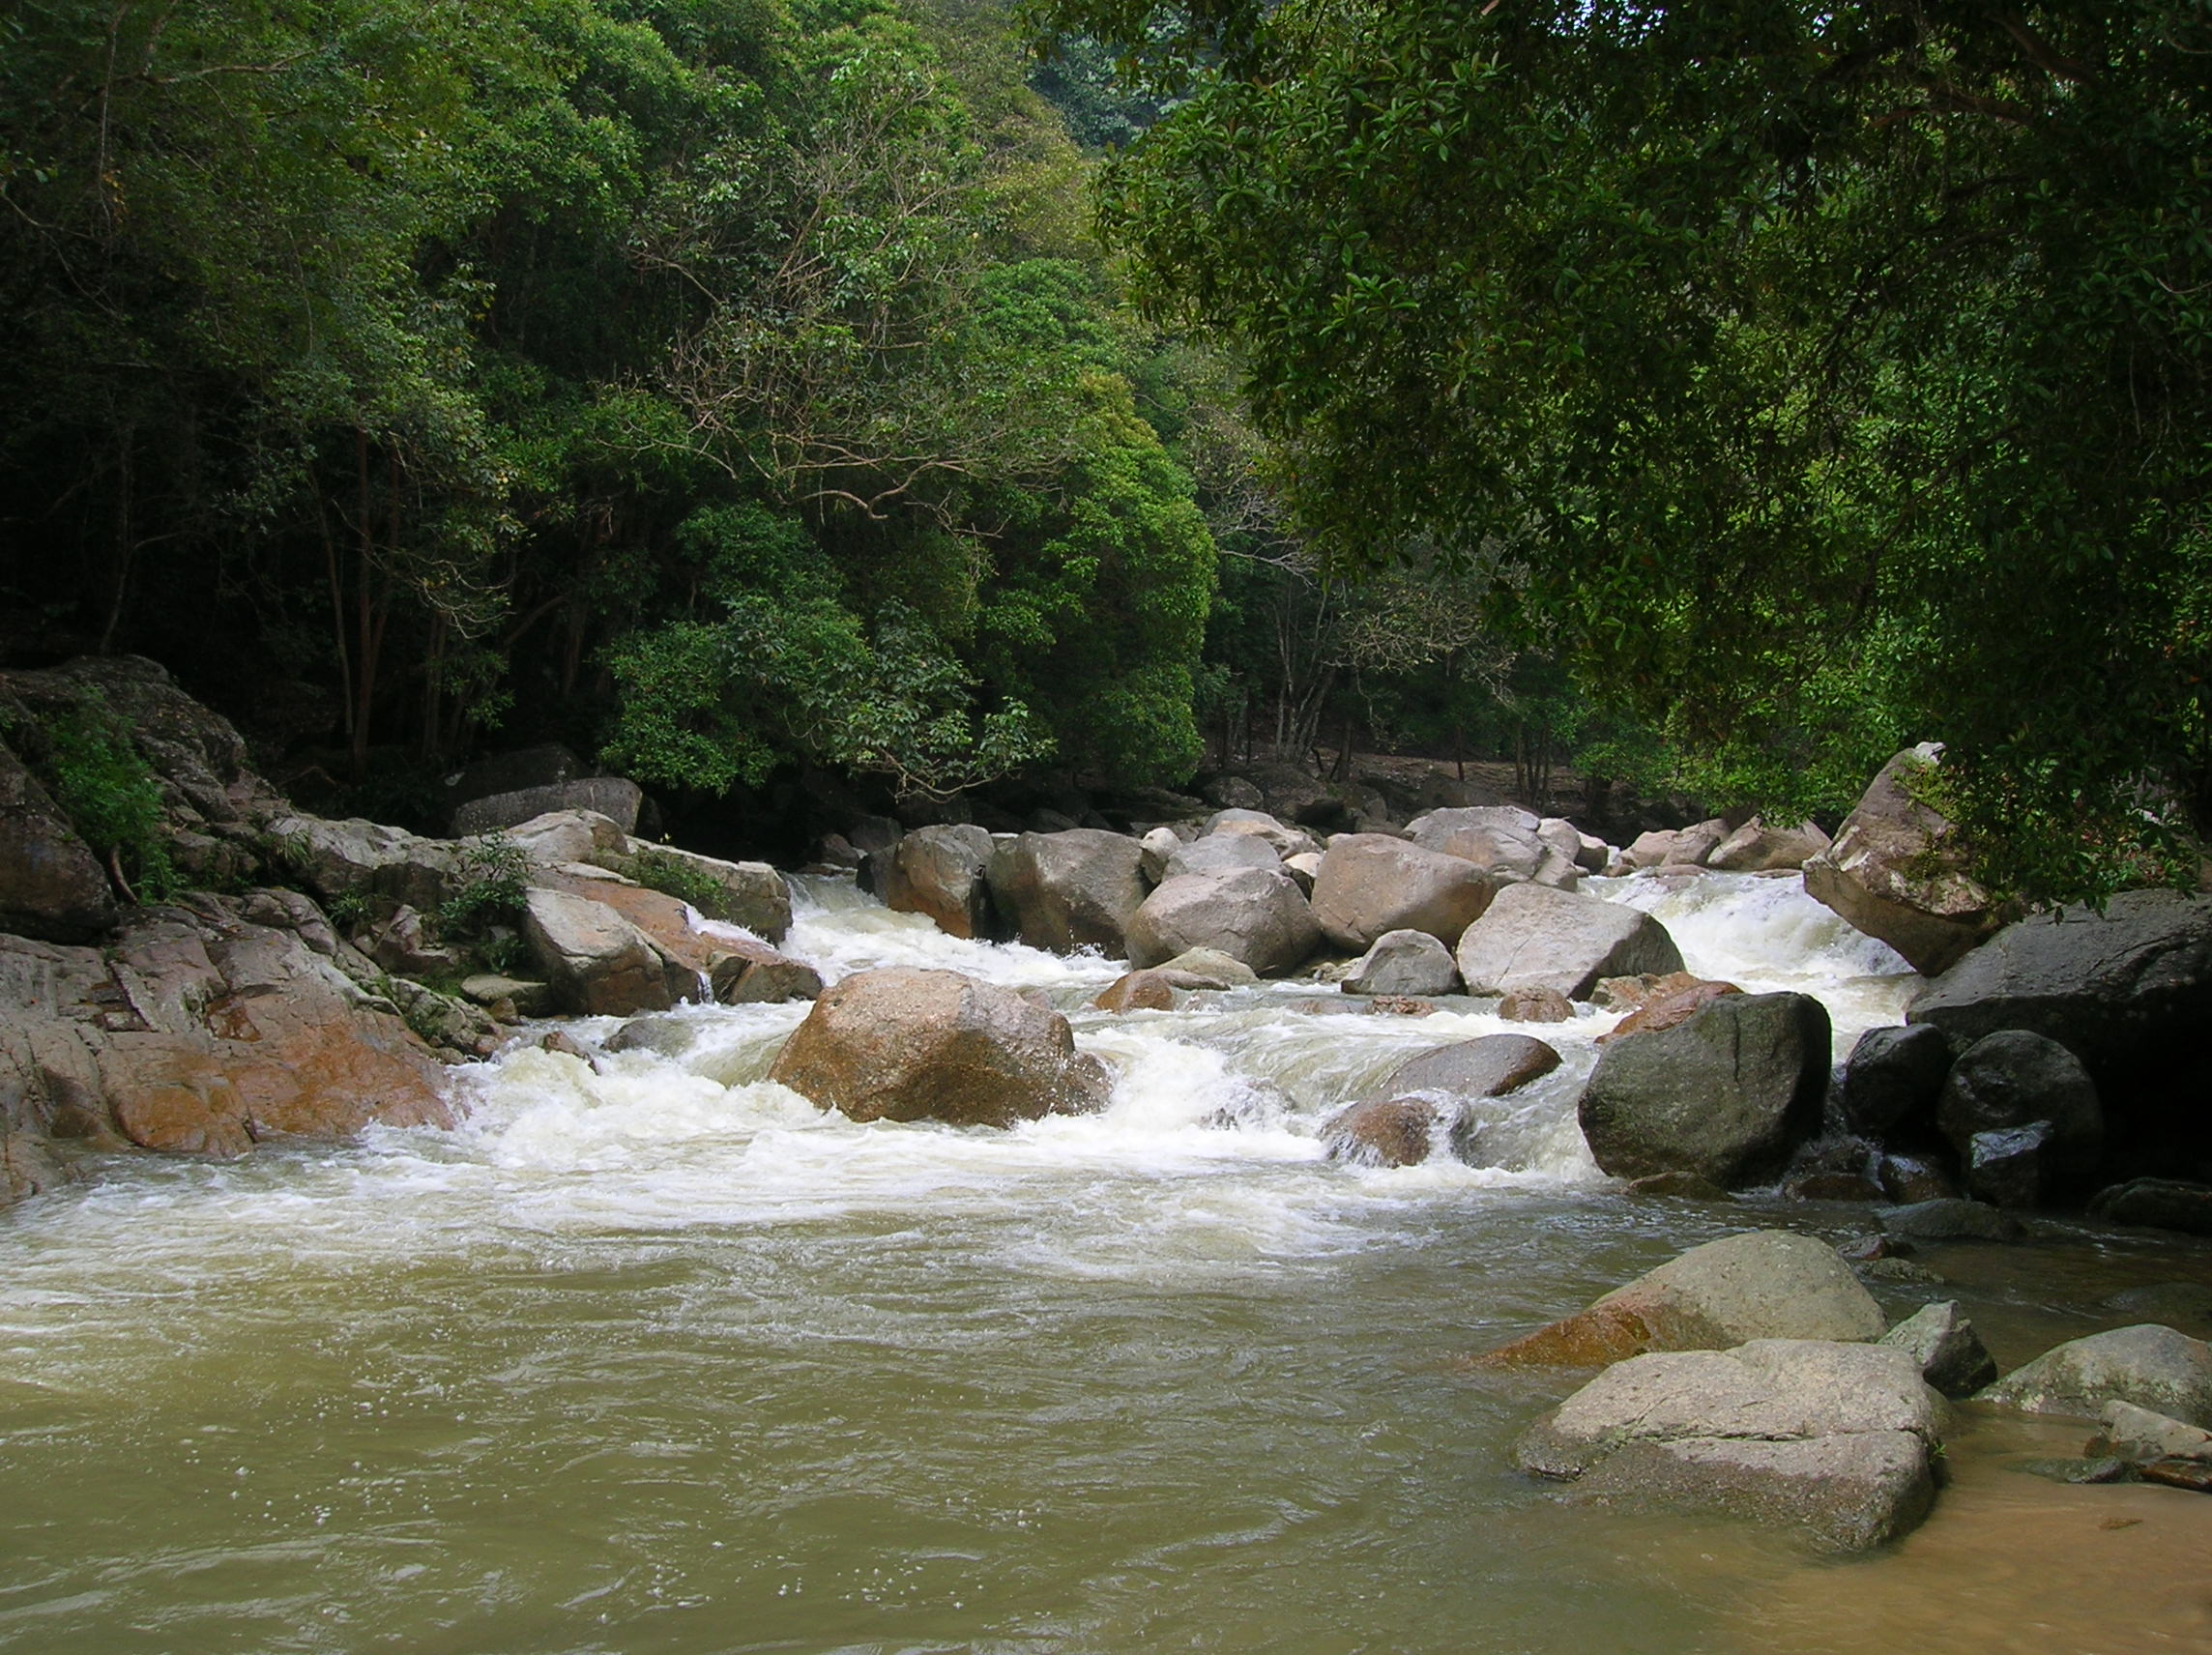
(1812, 377)
(737, 389)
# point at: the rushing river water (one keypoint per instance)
(659, 1359)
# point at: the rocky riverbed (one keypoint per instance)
(776, 1262)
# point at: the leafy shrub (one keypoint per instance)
(674, 876)
(110, 793)
(494, 879)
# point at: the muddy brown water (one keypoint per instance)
(660, 1359)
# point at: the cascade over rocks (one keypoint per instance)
(898, 1044)
(1068, 891)
(1488, 1066)
(1384, 1132)
(941, 872)
(1253, 914)
(1765, 1284)
(1533, 937)
(1833, 1438)
(2150, 1366)
(1897, 872)
(1726, 1095)
(1371, 884)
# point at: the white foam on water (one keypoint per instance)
(1766, 935)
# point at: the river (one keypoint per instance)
(662, 1359)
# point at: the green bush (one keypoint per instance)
(686, 880)
(110, 793)
(494, 881)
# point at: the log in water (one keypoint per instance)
(662, 1358)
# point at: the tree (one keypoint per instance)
(1834, 375)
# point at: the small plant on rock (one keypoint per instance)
(494, 881)
(686, 880)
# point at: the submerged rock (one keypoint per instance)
(1726, 1095)
(2150, 1366)
(1765, 1284)
(1488, 1066)
(1832, 1438)
(1384, 1132)
(1949, 1219)
(898, 1044)
(2157, 1204)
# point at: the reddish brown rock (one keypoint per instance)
(1137, 991)
(1535, 1005)
(1383, 1132)
(912, 1045)
(1670, 1008)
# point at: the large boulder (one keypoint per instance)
(1535, 937)
(2007, 1083)
(1764, 1283)
(1220, 853)
(51, 882)
(2129, 992)
(1255, 915)
(911, 1045)
(1726, 1095)
(1402, 961)
(753, 974)
(751, 894)
(2151, 1366)
(1500, 839)
(1371, 884)
(1284, 842)
(1488, 1066)
(1755, 848)
(560, 836)
(341, 858)
(2157, 1204)
(599, 962)
(612, 797)
(1892, 1080)
(1071, 889)
(1897, 871)
(1832, 1438)
(199, 1031)
(941, 872)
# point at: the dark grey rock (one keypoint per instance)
(1726, 1095)
(1908, 1180)
(1892, 1079)
(1951, 1355)
(2012, 1167)
(2012, 1079)
(1402, 961)
(2157, 1204)
(1069, 889)
(1949, 1220)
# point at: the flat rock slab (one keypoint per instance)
(1833, 1438)
(1949, 1218)
(2150, 1366)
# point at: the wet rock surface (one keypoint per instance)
(897, 1044)
(1726, 1095)
(1764, 1283)
(1832, 1438)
